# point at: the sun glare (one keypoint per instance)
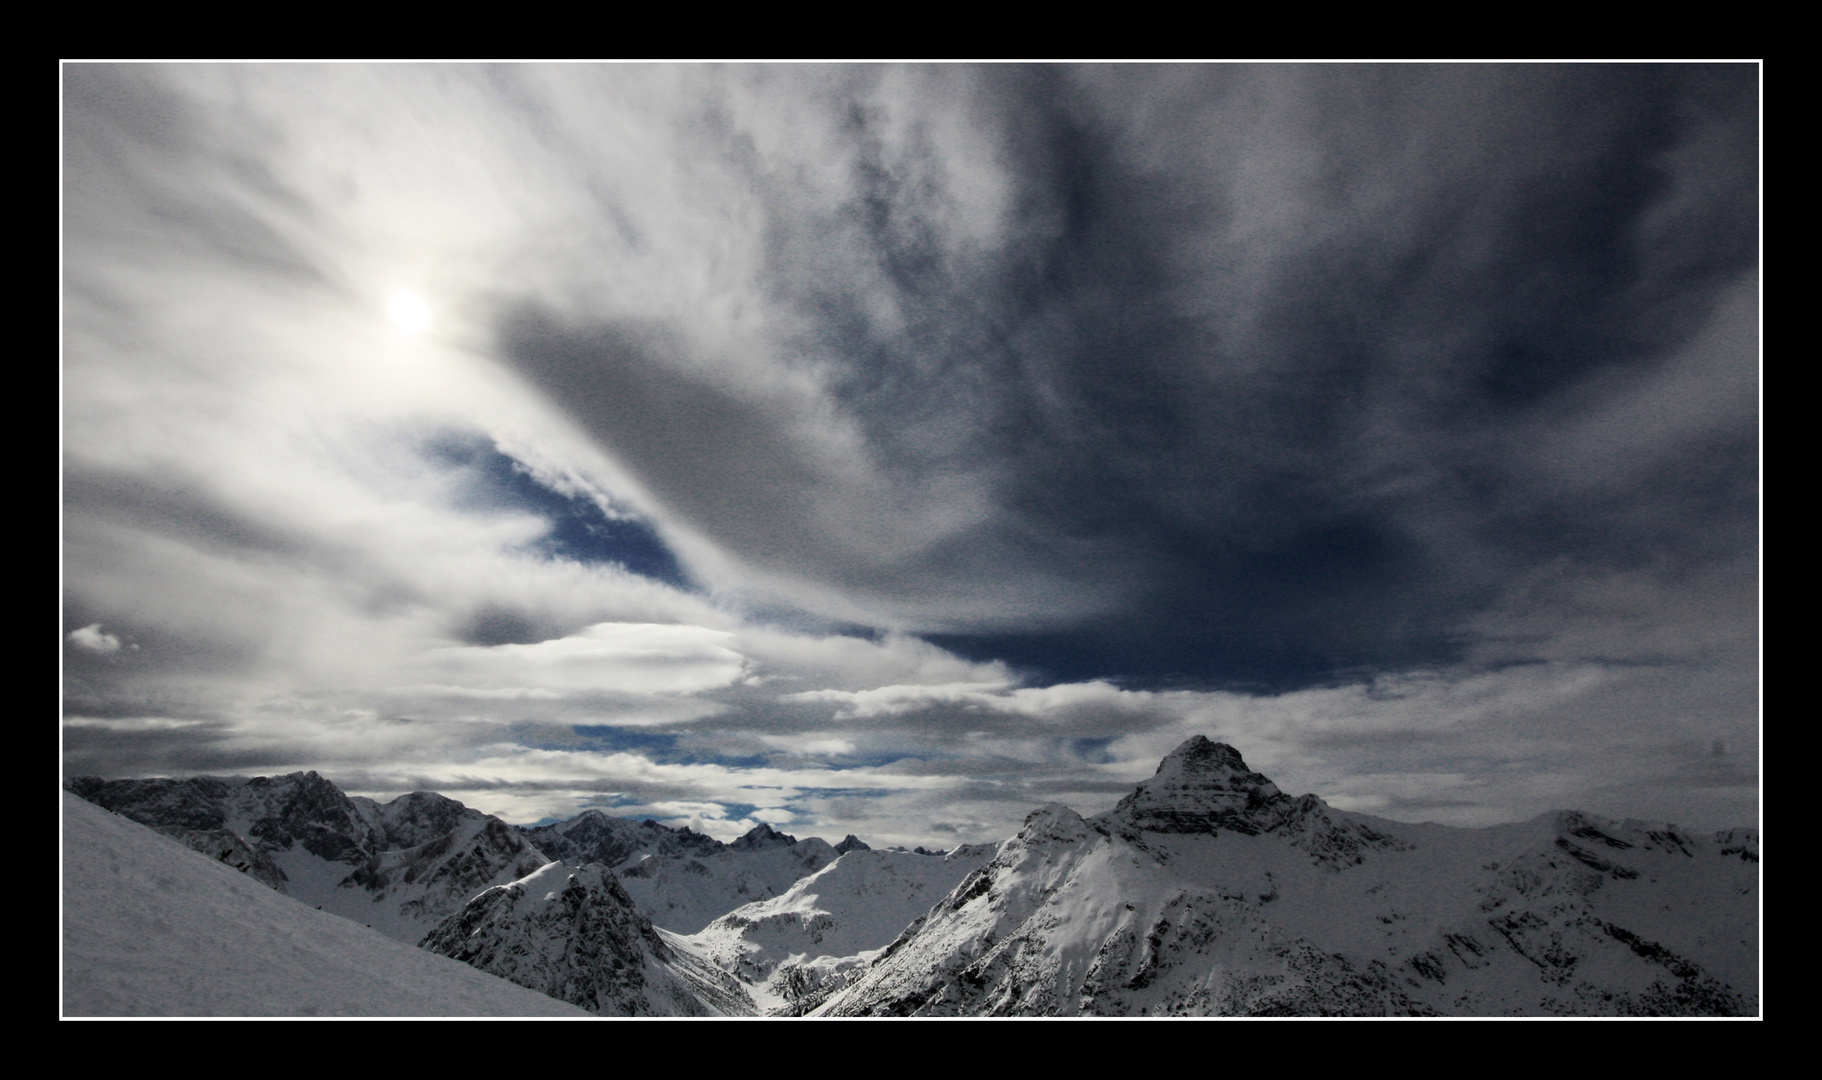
(408, 312)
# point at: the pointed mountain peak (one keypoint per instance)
(1202, 752)
(851, 843)
(763, 836)
(1200, 786)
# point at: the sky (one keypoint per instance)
(896, 449)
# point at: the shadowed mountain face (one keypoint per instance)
(401, 867)
(1209, 892)
(576, 936)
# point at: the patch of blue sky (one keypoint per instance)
(738, 810)
(1092, 751)
(881, 758)
(659, 746)
(602, 738)
(730, 761)
(841, 793)
(579, 529)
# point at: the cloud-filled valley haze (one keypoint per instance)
(893, 450)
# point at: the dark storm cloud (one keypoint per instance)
(150, 748)
(1260, 368)
(721, 461)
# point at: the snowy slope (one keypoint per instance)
(575, 935)
(400, 868)
(683, 879)
(1209, 892)
(151, 928)
(826, 927)
(685, 892)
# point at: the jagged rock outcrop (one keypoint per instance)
(576, 935)
(762, 837)
(1209, 892)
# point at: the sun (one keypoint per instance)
(408, 312)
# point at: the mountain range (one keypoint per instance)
(1206, 891)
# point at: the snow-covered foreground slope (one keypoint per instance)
(400, 868)
(827, 927)
(576, 935)
(1208, 891)
(152, 928)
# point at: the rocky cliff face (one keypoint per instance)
(1210, 892)
(576, 935)
(1204, 788)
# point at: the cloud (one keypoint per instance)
(632, 657)
(93, 638)
(818, 430)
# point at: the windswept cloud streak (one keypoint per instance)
(722, 443)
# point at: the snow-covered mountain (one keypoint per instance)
(827, 927)
(683, 879)
(153, 929)
(595, 837)
(684, 893)
(1205, 891)
(401, 867)
(576, 936)
(1208, 891)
